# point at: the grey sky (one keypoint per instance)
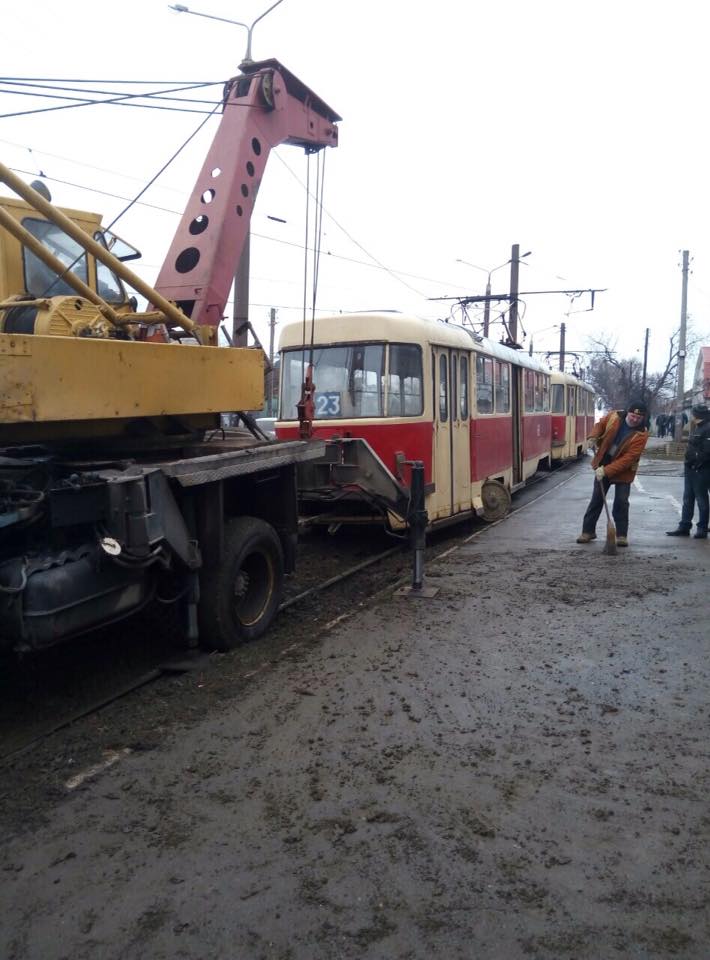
(574, 129)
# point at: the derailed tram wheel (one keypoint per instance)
(239, 599)
(496, 500)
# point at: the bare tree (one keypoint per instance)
(619, 379)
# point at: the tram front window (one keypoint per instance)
(349, 381)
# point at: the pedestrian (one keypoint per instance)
(661, 425)
(670, 426)
(620, 439)
(696, 476)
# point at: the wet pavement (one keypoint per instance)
(516, 768)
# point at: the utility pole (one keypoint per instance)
(513, 314)
(487, 307)
(563, 330)
(645, 365)
(680, 390)
(270, 399)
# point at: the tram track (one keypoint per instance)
(385, 569)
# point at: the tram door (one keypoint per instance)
(452, 459)
(516, 399)
(571, 420)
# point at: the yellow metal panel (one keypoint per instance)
(71, 378)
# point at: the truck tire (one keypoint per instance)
(240, 597)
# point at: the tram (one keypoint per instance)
(572, 411)
(392, 389)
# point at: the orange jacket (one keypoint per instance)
(624, 465)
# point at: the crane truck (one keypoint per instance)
(117, 483)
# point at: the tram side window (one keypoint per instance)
(502, 387)
(443, 388)
(529, 391)
(463, 389)
(545, 393)
(570, 401)
(41, 280)
(484, 384)
(405, 381)
(558, 398)
(540, 388)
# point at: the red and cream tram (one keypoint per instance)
(572, 416)
(392, 389)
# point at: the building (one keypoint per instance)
(700, 391)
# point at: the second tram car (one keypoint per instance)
(572, 403)
(391, 389)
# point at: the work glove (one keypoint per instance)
(600, 473)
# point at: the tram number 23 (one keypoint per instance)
(327, 404)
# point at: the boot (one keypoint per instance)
(680, 532)
(700, 534)
(586, 537)
(622, 541)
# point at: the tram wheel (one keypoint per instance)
(239, 599)
(496, 500)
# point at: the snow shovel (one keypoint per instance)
(610, 545)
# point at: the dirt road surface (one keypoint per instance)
(517, 768)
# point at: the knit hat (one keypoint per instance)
(639, 407)
(700, 411)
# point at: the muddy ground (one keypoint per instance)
(518, 768)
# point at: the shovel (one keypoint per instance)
(610, 545)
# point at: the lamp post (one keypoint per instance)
(181, 8)
(487, 301)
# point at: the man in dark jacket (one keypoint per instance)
(621, 438)
(696, 477)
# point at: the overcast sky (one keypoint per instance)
(574, 129)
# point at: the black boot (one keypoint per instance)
(700, 534)
(680, 532)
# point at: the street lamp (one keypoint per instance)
(181, 8)
(487, 302)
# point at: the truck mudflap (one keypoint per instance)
(350, 470)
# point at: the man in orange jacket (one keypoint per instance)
(620, 439)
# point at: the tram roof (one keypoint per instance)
(378, 327)
(569, 378)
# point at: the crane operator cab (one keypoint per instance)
(78, 360)
(37, 299)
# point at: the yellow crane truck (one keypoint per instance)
(117, 483)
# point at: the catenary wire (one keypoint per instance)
(35, 89)
(178, 213)
(352, 239)
(114, 101)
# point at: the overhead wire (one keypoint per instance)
(34, 87)
(161, 94)
(351, 238)
(163, 168)
(126, 99)
(178, 213)
(103, 80)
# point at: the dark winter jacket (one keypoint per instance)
(622, 469)
(697, 456)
